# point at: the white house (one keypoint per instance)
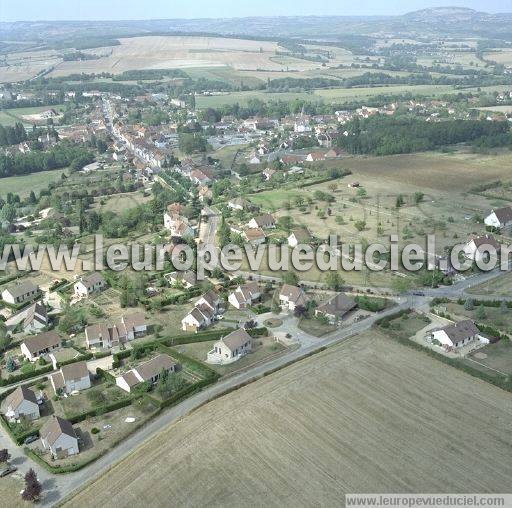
(265, 221)
(245, 295)
(177, 225)
(230, 348)
(129, 327)
(20, 293)
(254, 236)
(40, 344)
(477, 249)
(89, 284)
(70, 378)
(22, 402)
(456, 335)
(500, 218)
(59, 438)
(291, 297)
(36, 318)
(299, 236)
(336, 308)
(203, 314)
(187, 279)
(146, 372)
(238, 204)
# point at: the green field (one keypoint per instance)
(333, 94)
(22, 185)
(13, 115)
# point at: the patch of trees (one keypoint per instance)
(12, 135)
(149, 74)
(287, 84)
(386, 136)
(78, 56)
(60, 156)
(190, 143)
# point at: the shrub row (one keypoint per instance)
(60, 469)
(17, 438)
(258, 332)
(101, 410)
(28, 375)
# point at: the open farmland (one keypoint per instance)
(343, 421)
(170, 52)
(22, 185)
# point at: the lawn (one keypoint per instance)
(316, 327)
(498, 357)
(22, 185)
(118, 203)
(493, 316)
(10, 488)
(262, 349)
(500, 286)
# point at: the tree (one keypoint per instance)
(334, 281)
(291, 278)
(4, 455)
(33, 489)
(360, 225)
(299, 311)
(468, 304)
(418, 197)
(399, 201)
(480, 313)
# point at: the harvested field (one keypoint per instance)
(342, 421)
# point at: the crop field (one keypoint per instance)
(343, 421)
(168, 52)
(22, 185)
(503, 56)
(11, 116)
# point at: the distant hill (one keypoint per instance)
(453, 14)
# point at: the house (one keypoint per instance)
(254, 236)
(175, 208)
(89, 284)
(129, 327)
(22, 402)
(477, 249)
(500, 218)
(39, 345)
(456, 335)
(70, 378)
(187, 279)
(36, 318)
(230, 348)
(204, 193)
(336, 308)
(238, 204)
(245, 295)
(59, 438)
(292, 159)
(203, 314)
(146, 372)
(268, 173)
(265, 221)
(315, 156)
(291, 297)
(197, 319)
(299, 236)
(20, 293)
(177, 225)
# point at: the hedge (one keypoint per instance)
(18, 439)
(106, 376)
(258, 332)
(197, 337)
(485, 303)
(60, 469)
(81, 358)
(28, 375)
(101, 410)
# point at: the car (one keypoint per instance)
(418, 293)
(31, 439)
(8, 470)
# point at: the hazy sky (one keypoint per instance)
(15, 10)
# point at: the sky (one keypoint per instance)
(31, 10)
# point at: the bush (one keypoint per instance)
(95, 430)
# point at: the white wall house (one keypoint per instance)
(477, 249)
(39, 345)
(457, 335)
(230, 348)
(245, 295)
(89, 284)
(59, 438)
(500, 218)
(20, 293)
(291, 297)
(71, 378)
(149, 372)
(22, 402)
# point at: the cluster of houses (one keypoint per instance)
(205, 311)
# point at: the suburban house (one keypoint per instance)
(336, 308)
(456, 335)
(268, 173)
(255, 236)
(299, 236)
(89, 284)
(500, 218)
(291, 297)
(36, 318)
(315, 156)
(264, 221)
(40, 344)
(22, 402)
(59, 438)
(203, 314)
(476, 248)
(210, 300)
(334, 153)
(146, 372)
(177, 225)
(245, 295)
(129, 327)
(20, 293)
(238, 204)
(230, 348)
(70, 378)
(187, 279)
